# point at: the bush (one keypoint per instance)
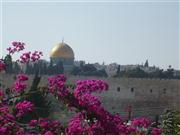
(171, 122)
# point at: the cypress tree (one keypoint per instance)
(8, 63)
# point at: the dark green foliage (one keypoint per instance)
(39, 99)
(169, 73)
(135, 73)
(88, 70)
(28, 68)
(171, 122)
(168, 124)
(76, 70)
(101, 73)
(8, 63)
(177, 122)
(157, 74)
(44, 69)
(146, 64)
(55, 68)
(59, 68)
(139, 73)
(36, 68)
(16, 68)
(50, 68)
(118, 70)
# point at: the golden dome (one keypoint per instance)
(62, 50)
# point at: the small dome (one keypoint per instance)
(62, 50)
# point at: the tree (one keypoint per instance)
(170, 72)
(101, 73)
(88, 68)
(118, 71)
(146, 64)
(50, 68)
(75, 70)
(28, 68)
(159, 73)
(8, 63)
(59, 68)
(44, 68)
(39, 98)
(135, 73)
(16, 68)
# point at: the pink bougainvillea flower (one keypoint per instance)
(33, 123)
(22, 77)
(24, 107)
(156, 131)
(25, 57)
(36, 56)
(56, 83)
(29, 56)
(4, 109)
(48, 133)
(2, 66)
(19, 87)
(141, 122)
(16, 47)
(89, 86)
(46, 125)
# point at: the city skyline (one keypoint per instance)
(125, 33)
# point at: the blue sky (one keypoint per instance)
(122, 32)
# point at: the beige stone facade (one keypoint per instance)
(148, 97)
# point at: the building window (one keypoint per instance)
(118, 89)
(132, 89)
(150, 90)
(164, 90)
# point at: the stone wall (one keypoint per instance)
(148, 97)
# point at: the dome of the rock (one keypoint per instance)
(62, 50)
(62, 53)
